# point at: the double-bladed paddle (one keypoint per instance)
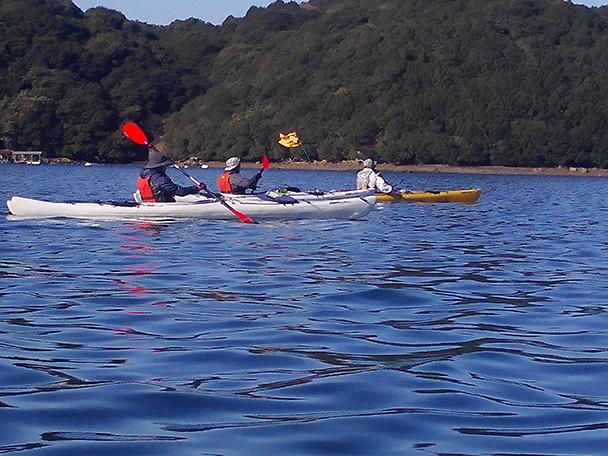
(132, 131)
(265, 163)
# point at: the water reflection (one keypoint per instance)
(443, 329)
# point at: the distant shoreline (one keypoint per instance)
(502, 170)
(353, 165)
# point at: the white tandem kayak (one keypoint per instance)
(347, 205)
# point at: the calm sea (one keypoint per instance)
(440, 329)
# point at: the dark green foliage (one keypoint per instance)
(470, 82)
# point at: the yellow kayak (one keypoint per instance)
(469, 196)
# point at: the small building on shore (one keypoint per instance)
(5, 155)
(28, 157)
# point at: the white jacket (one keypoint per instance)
(367, 178)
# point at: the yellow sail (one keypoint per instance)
(289, 140)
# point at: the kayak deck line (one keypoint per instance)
(113, 203)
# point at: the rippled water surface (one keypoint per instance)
(422, 329)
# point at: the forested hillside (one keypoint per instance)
(501, 82)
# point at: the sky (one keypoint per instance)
(164, 12)
(591, 2)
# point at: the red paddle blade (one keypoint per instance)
(265, 162)
(242, 216)
(132, 131)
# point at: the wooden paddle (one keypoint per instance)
(132, 131)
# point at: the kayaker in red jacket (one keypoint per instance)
(230, 181)
(155, 186)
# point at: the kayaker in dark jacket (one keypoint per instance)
(155, 186)
(230, 181)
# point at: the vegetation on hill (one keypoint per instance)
(471, 82)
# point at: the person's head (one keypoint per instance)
(369, 163)
(157, 160)
(233, 164)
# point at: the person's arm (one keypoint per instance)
(183, 191)
(240, 183)
(382, 185)
(255, 179)
(168, 187)
(378, 182)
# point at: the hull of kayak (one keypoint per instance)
(331, 205)
(468, 196)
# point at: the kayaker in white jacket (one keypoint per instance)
(369, 178)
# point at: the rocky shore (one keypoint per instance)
(354, 165)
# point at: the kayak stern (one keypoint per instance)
(467, 196)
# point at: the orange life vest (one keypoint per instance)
(223, 183)
(145, 190)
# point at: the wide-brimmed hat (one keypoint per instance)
(156, 160)
(232, 163)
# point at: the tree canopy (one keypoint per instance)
(471, 82)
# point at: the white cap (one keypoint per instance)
(368, 163)
(232, 163)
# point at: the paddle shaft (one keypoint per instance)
(197, 183)
(204, 188)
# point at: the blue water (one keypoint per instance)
(422, 329)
